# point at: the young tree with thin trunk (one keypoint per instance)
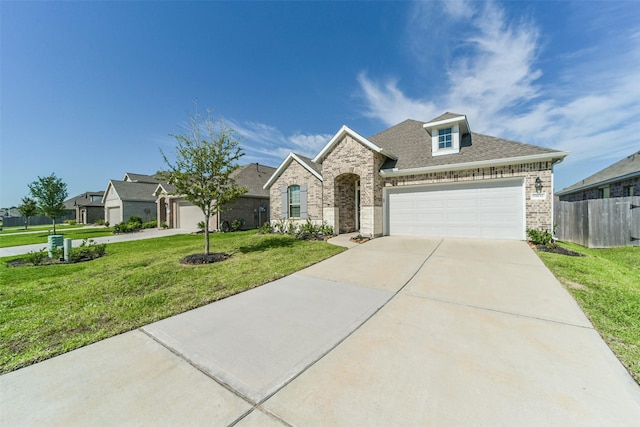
(50, 193)
(205, 158)
(27, 209)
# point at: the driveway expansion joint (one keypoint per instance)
(199, 368)
(494, 310)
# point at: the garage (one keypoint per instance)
(189, 215)
(114, 215)
(488, 210)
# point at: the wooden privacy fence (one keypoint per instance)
(599, 223)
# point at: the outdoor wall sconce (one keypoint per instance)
(538, 184)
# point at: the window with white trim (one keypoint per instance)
(445, 138)
(294, 201)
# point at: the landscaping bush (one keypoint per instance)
(266, 228)
(201, 225)
(150, 224)
(237, 224)
(540, 237)
(101, 222)
(135, 222)
(37, 257)
(87, 251)
(70, 221)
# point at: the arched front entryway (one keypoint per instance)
(347, 200)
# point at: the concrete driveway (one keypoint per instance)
(397, 331)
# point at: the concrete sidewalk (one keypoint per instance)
(149, 233)
(396, 331)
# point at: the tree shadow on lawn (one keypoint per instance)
(268, 243)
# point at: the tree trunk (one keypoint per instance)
(54, 225)
(206, 235)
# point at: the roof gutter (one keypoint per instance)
(555, 157)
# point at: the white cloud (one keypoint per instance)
(494, 77)
(261, 141)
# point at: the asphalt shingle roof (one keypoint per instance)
(84, 199)
(253, 177)
(412, 144)
(628, 166)
(135, 191)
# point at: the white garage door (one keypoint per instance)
(490, 210)
(189, 216)
(114, 216)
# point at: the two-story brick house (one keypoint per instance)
(433, 178)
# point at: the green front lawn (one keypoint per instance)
(49, 310)
(13, 239)
(606, 284)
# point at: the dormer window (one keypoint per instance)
(446, 133)
(444, 138)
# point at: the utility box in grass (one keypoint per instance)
(55, 241)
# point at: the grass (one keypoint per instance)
(606, 284)
(14, 239)
(49, 310)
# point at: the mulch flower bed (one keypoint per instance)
(359, 239)
(554, 249)
(199, 259)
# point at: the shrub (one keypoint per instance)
(280, 226)
(87, 251)
(326, 229)
(540, 237)
(237, 224)
(70, 221)
(150, 224)
(36, 258)
(120, 228)
(164, 225)
(135, 222)
(101, 222)
(201, 225)
(266, 228)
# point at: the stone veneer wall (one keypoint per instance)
(296, 174)
(349, 156)
(538, 213)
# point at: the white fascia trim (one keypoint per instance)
(344, 130)
(598, 184)
(104, 196)
(285, 164)
(446, 122)
(473, 165)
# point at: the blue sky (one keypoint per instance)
(91, 90)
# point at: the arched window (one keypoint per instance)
(294, 201)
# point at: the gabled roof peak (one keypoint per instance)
(345, 130)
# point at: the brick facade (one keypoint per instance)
(296, 174)
(616, 189)
(333, 200)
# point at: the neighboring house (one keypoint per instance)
(428, 179)
(133, 196)
(621, 179)
(87, 207)
(252, 208)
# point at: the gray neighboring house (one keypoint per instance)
(132, 196)
(435, 178)
(621, 179)
(252, 208)
(87, 207)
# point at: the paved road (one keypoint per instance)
(397, 331)
(144, 234)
